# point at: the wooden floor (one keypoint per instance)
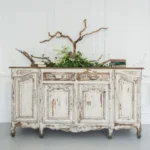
(28, 139)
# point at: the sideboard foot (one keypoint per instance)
(41, 136)
(138, 134)
(110, 132)
(41, 133)
(13, 134)
(13, 131)
(109, 137)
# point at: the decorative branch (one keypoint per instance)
(85, 26)
(103, 28)
(80, 38)
(74, 43)
(30, 57)
(26, 55)
(46, 58)
(51, 36)
(99, 58)
(65, 36)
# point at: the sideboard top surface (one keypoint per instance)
(24, 67)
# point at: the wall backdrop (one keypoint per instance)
(24, 23)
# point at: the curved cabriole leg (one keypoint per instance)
(13, 132)
(41, 132)
(13, 127)
(138, 133)
(110, 132)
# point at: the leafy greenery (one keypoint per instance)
(50, 64)
(65, 61)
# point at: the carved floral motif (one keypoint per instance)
(53, 76)
(87, 76)
(22, 72)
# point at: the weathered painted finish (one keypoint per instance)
(76, 100)
(94, 106)
(58, 103)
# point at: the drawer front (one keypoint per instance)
(97, 76)
(58, 76)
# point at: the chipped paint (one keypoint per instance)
(53, 106)
(112, 99)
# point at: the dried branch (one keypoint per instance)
(59, 34)
(51, 36)
(80, 38)
(46, 58)
(99, 58)
(94, 31)
(85, 26)
(26, 55)
(65, 36)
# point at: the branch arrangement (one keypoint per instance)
(59, 34)
(31, 57)
(68, 58)
(26, 55)
(43, 58)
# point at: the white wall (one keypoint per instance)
(24, 23)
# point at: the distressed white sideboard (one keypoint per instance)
(76, 100)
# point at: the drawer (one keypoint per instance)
(90, 76)
(58, 76)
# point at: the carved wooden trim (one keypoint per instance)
(24, 125)
(18, 82)
(55, 76)
(21, 72)
(132, 78)
(95, 76)
(75, 128)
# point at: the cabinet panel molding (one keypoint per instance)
(126, 101)
(25, 96)
(58, 103)
(94, 106)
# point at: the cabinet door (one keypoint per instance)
(127, 96)
(25, 91)
(94, 103)
(58, 103)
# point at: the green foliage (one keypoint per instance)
(50, 64)
(63, 51)
(64, 60)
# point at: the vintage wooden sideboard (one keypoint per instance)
(76, 100)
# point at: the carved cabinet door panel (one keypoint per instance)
(25, 92)
(94, 103)
(127, 96)
(58, 103)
